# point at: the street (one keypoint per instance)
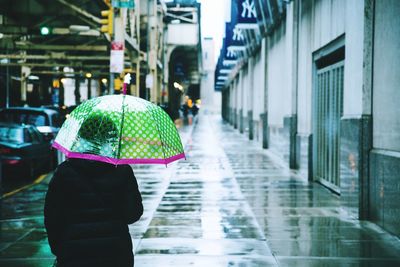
(230, 203)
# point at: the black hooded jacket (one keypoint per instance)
(88, 208)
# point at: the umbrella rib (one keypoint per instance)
(181, 145)
(159, 133)
(122, 125)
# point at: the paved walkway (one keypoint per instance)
(229, 204)
(233, 204)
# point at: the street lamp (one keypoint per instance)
(88, 75)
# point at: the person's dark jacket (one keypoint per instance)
(88, 208)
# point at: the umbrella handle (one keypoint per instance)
(124, 88)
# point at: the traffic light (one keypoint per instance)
(107, 21)
(44, 30)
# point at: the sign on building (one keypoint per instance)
(117, 57)
(149, 81)
(234, 38)
(246, 14)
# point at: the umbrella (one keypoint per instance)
(120, 129)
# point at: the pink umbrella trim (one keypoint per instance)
(78, 155)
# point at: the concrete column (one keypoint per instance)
(251, 124)
(231, 95)
(152, 46)
(294, 154)
(137, 75)
(241, 101)
(241, 121)
(77, 92)
(250, 99)
(356, 184)
(229, 105)
(137, 27)
(366, 119)
(89, 88)
(61, 95)
(153, 50)
(225, 105)
(258, 95)
(235, 103)
(265, 129)
(119, 36)
(245, 95)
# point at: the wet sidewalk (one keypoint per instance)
(23, 239)
(233, 204)
(229, 204)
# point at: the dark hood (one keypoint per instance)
(91, 167)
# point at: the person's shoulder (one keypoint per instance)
(65, 170)
(125, 170)
(64, 166)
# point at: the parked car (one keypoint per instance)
(46, 120)
(23, 148)
(64, 111)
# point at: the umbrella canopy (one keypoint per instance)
(120, 129)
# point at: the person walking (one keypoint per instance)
(89, 205)
(94, 195)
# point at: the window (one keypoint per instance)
(37, 120)
(13, 135)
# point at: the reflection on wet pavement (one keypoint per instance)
(229, 204)
(23, 240)
(203, 218)
(303, 222)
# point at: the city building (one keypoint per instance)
(316, 82)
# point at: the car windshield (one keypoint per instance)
(11, 134)
(26, 118)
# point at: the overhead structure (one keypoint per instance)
(56, 39)
(51, 33)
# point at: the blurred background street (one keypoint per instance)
(287, 110)
(223, 206)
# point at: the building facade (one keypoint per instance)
(316, 84)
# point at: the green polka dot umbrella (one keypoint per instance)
(120, 129)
